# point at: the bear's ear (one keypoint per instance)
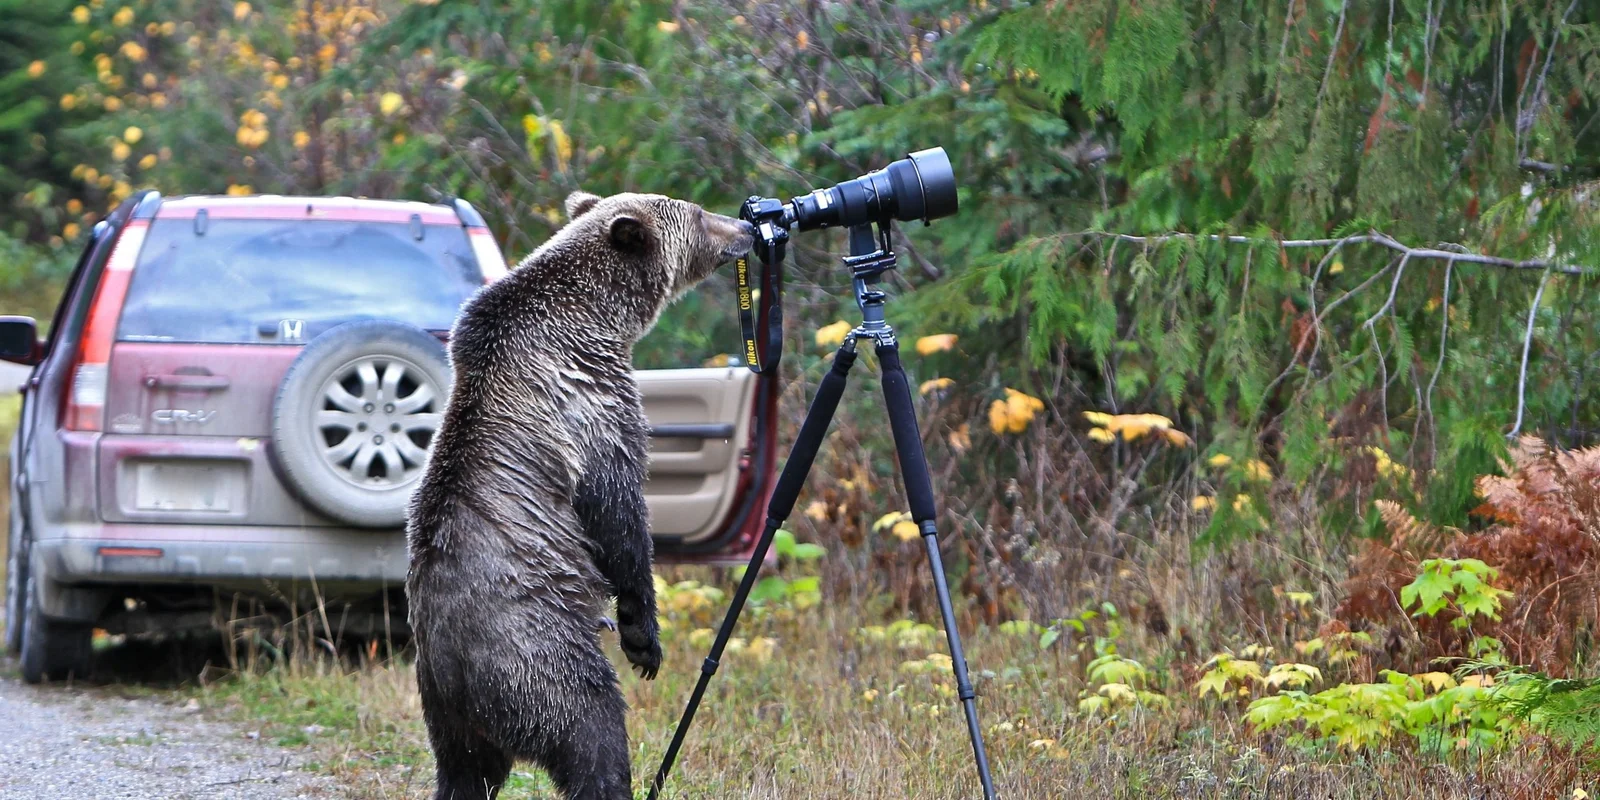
(580, 202)
(628, 234)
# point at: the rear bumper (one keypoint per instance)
(335, 559)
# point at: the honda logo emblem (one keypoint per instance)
(292, 329)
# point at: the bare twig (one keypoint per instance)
(1333, 50)
(1372, 237)
(1527, 344)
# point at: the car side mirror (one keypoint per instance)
(19, 340)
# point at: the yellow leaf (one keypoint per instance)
(148, 161)
(1176, 437)
(667, 26)
(301, 139)
(817, 510)
(112, 104)
(802, 40)
(833, 335)
(120, 151)
(390, 102)
(68, 102)
(1479, 681)
(238, 190)
(905, 530)
(1336, 268)
(74, 206)
(1102, 435)
(869, 695)
(1257, 470)
(563, 144)
(1241, 502)
(1219, 460)
(241, 10)
(80, 15)
(889, 519)
(999, 417)
(123, 17)
(70, 231)
(132, 51)
(935, 385)
(132, 135)
(149, 80)
(960, 439)
(35, 69)
(1203, 503)
(1099, 418)
(1436, 681)
(937, 343)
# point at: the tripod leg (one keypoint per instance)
(784, 494)
(919, 492)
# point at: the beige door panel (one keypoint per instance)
(700, 427)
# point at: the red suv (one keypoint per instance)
(236, 397)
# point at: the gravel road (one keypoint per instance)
(104, 743)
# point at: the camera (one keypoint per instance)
(920, 186)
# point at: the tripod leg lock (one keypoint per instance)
(965, 692)
(930, 528)
(710, 666)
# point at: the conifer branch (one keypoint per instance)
(1372, 237)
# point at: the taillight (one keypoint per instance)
(484, 248)
(86, 400)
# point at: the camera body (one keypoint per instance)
(920, 186)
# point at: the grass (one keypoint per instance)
(821, 711)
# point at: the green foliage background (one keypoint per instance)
(1466, 126)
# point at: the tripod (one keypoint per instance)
(868, 261)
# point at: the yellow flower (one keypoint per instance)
(133, 52)
(120, 151)
(113, 103)
(104, 182)
(70, 231)
(937, 343)
(76, 48)
(74, 206)
(667, 26)
(241, 10)
(148, 161)
(935, 385)
(152, 29)
(1220, 460)
(236, 190)
(1203, 503)
(90, 175)
(68, 102)
(168, 27)
(869, 695)
(123, 17)
(280, 81)
(390, 102)
(158, 100)
(833, 335)
(149, 80)
(817, 511)
(132, 135)
(80, 15)
(1013, 414)
(905, 530)
(1257, 470)
(36, 69)
(301, 139)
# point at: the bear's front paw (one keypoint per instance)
(643, 649)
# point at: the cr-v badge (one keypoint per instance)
(173, 416)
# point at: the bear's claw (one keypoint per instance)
(609, 624)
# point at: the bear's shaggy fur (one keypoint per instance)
(530, 511)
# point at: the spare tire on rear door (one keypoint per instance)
(354, 419)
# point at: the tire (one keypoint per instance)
(51, 650)
(16, 577)
(354, 419)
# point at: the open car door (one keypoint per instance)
(712, 456)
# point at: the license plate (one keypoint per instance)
(183, 487)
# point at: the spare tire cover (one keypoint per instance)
(355, 416)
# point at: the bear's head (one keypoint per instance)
(646, 250)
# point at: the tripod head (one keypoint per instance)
(919, 186)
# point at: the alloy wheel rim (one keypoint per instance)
(375, 420)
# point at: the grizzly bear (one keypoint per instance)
(530, 512)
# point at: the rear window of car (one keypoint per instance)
(265, 281)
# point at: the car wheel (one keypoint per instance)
(354, 419)
(16, 574)
(53, 650)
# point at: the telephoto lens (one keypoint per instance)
(920, 186)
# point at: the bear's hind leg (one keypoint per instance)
(588, 760)
(469, 766)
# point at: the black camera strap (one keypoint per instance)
(761, 299)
